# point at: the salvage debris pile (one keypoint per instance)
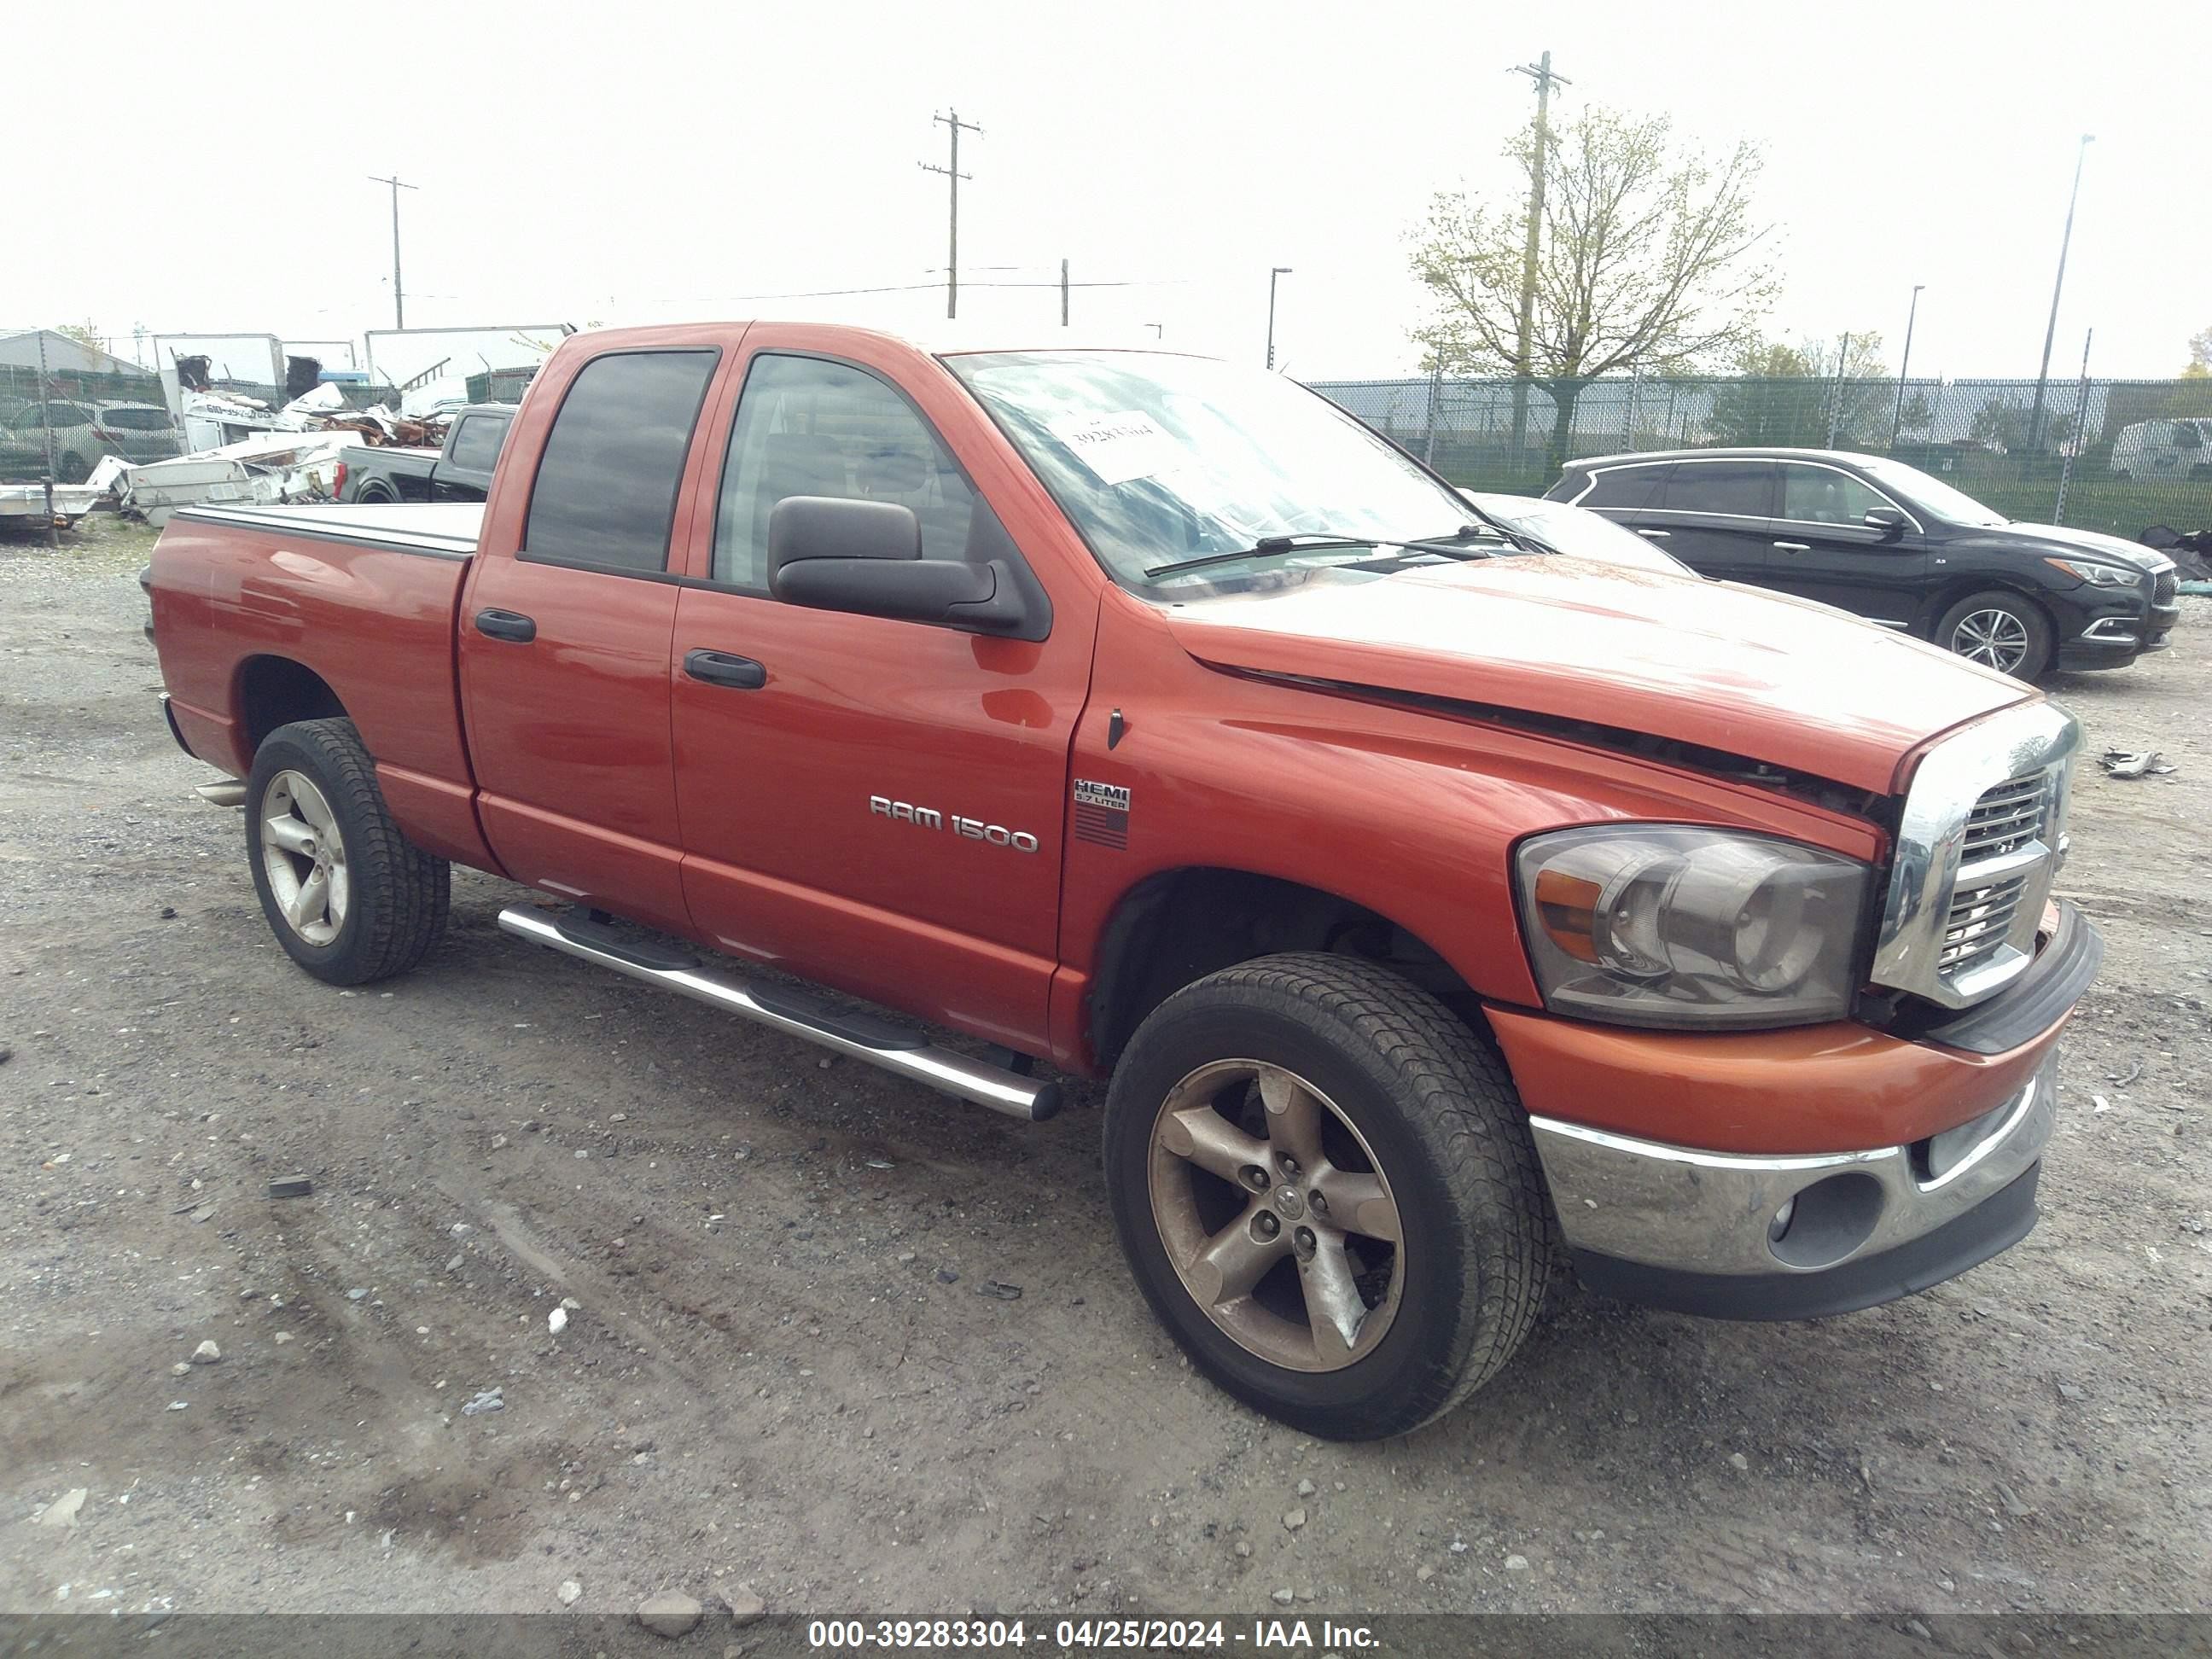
(271, 456)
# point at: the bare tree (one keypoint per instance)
(1652, 258)
(2200, 356)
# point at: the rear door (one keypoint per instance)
(1716, 516)
(1821, 549)
(564, 634)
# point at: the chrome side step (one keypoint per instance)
(876, 1041)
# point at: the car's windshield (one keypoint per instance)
(1575, 530)
(1160, 460)
(1921, 491)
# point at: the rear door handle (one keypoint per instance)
(506, 625)
(721, 668)
(1795, 547)
(1655, 535)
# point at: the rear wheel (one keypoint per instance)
(1999, 630)
(1326, 1187)
(349, 898)
(72, 469)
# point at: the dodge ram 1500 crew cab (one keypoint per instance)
(1442, 910)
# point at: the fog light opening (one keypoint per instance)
(1826, 1222)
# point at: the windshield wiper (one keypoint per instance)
(1269, 546)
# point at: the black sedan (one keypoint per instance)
(1894, 545)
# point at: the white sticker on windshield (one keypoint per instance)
(1118, 447)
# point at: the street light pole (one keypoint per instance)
(398, 300)
(2051, 333)
(1278, 271)
(1897, 420)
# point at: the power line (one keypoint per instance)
(954, 127)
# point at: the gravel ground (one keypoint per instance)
(789, 1367)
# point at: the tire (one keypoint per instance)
(72, 469)
(383, 900)
(1396, 1083)
(2000, 630)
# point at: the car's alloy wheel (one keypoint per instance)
(305, 858)
(1275, 1215)
(1993, 637)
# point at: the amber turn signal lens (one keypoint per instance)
(1567, 906)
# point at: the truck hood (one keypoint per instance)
(1796, 685)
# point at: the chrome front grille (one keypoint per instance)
(1976, 850)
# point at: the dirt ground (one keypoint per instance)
(779, 1372)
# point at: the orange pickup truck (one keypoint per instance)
(1445, 911)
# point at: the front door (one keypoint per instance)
(875, 804)
(564, 644)
(1823, 549)
(1715, 515)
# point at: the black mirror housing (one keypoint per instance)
(832, 554)
(839, 527)
(1888, 519)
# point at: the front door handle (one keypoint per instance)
(1795, 547)
(721, 668)
(1655, 535)
(506, 625)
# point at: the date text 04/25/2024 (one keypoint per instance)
(1089, 1635)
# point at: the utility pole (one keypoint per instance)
(1897, 420)
(2080, 419)
(1836, 392)
(1273, 276)
(1063, 293)
(1541, 73)
(398, 300)
(2042, 374)
(955, 126)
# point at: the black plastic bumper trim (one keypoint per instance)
(1996, 1225)
(175, 731)
(2033, 1003)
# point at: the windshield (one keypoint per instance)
(1160, 459)
(1575, 530)
(1938, 497)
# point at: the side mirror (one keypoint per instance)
(834, 554)
(1886, 519)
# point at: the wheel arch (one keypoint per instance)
(271, 690)
(1173, 927)
(1957, 588)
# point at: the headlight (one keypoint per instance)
(2099, 576)
(1666, 925)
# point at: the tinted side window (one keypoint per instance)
(475, 446)
(1742, 488)
(136, 420)
(1815, 495)
(808, 428)
(1627, 489)
(605, 492)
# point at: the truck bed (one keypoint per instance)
(364, 599)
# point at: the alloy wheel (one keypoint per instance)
(1276, 1216)
(1996, 638)
(305, 857)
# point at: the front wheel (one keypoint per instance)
(1326, 1187)
(347, 896)
(1999, 630)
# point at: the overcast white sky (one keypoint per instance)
(641, 162)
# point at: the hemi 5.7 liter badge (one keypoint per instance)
(1102, 813)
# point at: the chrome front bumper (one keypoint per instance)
(1683, 1223)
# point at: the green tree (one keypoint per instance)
(86, 334)
(2200, 356)
(1794, 395)
(1651, 257)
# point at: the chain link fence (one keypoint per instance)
(2118, 456)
